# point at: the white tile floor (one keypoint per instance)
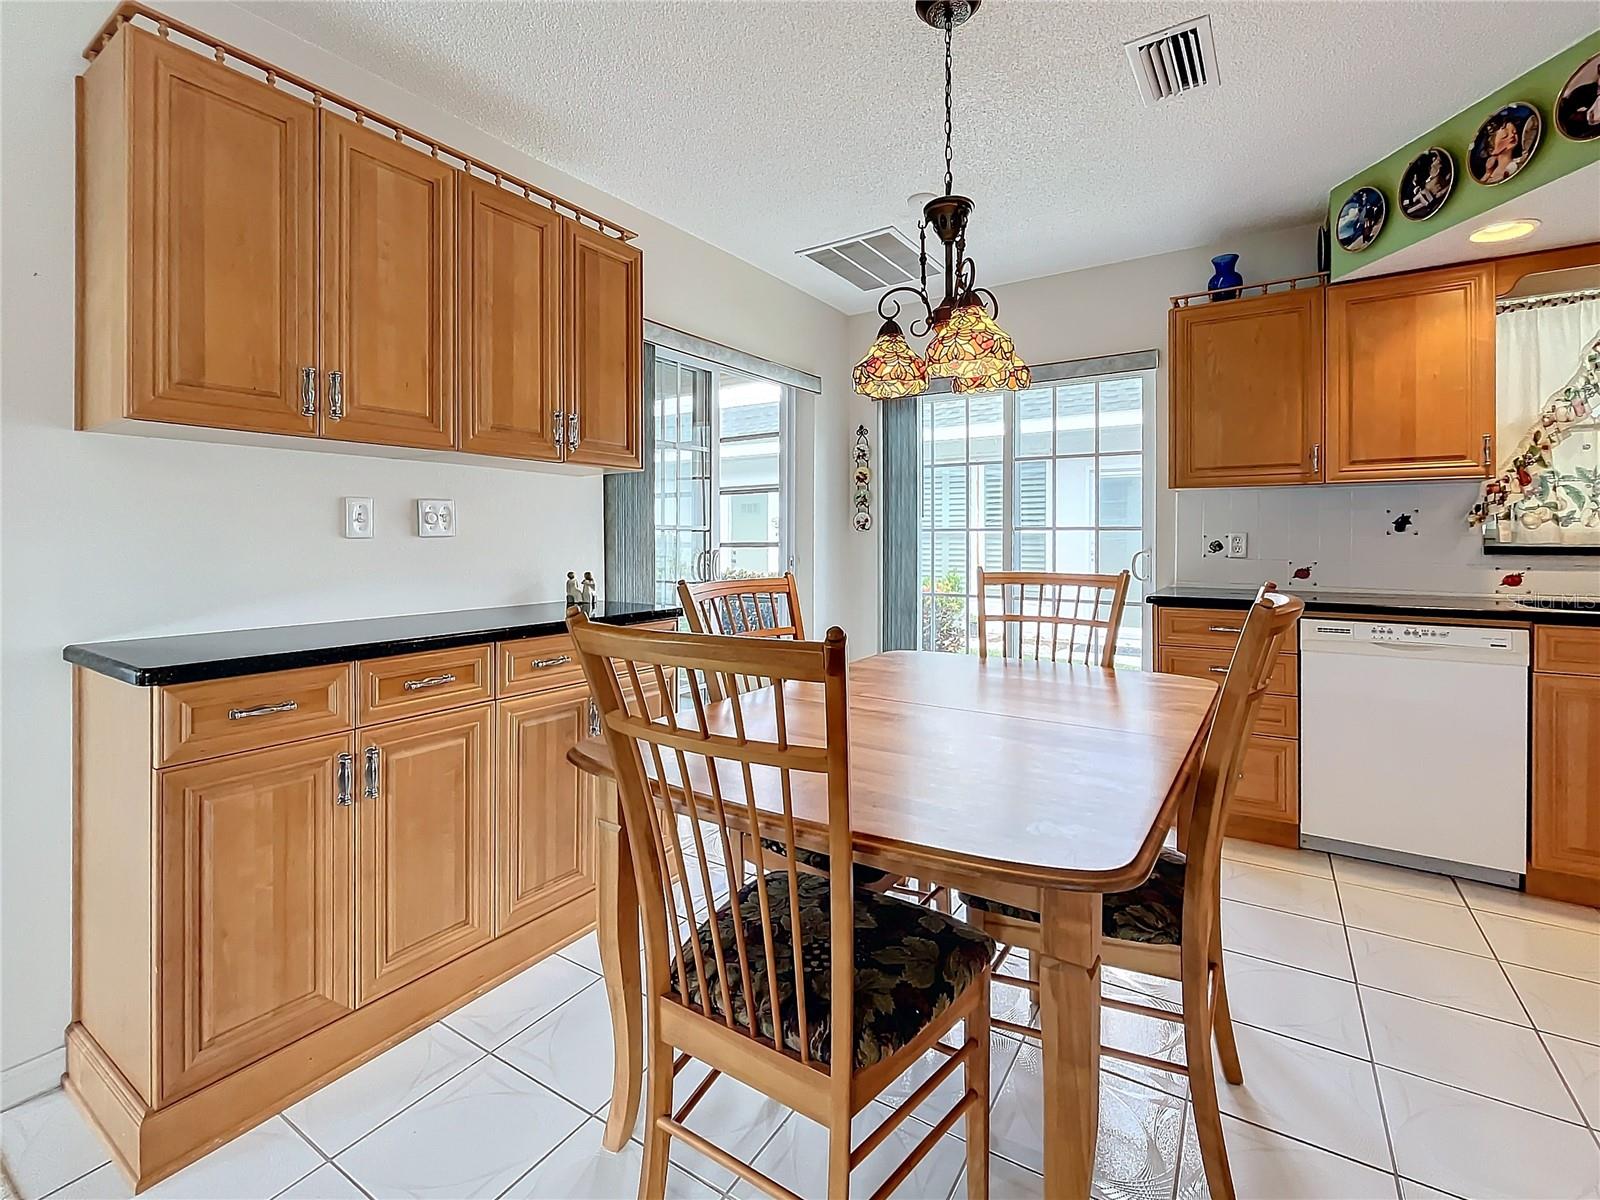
(1402, 1035)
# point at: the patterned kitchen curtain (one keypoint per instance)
(630, 518)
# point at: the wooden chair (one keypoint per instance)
(799, 961)
(1171, 926)
(1095, 607)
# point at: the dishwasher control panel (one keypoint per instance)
(1467, 637)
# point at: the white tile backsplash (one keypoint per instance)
(1347, 532)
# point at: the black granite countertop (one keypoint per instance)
(1380, 604)
(187, 658)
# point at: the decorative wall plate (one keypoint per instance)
(1577, 108)
(1426, 184)
(1505, 143)
(1361, 219)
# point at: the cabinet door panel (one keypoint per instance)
(604, 348)
(422, 890)
(510, 322)
(1269, 787)
(255, 865)
(1566, 774)
(1246, 388)
(1411, 376)
(544, 836)
(388, 288)
(223, 296)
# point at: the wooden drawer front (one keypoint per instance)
(1567, 651)
(1278, 716)
(1269, 788)
(247, 712)
(538, 664)
(1213, 665)
(433, 681)
(1216, 627)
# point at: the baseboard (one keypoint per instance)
(40, 1074)
(1262, 829)
(1559, 885)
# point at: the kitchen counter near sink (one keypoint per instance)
(190, 658)
(1395, 604)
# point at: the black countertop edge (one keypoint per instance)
(1499, 608)
(191, 658)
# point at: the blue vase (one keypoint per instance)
(1226, 278)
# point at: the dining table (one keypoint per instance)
(1037, 783)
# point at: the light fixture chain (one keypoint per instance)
(949, 126)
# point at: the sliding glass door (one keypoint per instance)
(723, 473)
(1049, 479)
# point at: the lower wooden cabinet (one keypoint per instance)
(423, 887)
(1565, 860)
(544, 807)
(255, 866)
(1269, 787)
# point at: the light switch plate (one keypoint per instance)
(358, 516)
(1213, 544)
(436, 518)
(1238, 543)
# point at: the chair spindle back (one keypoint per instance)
(763, 608)
(1055, 601)
(708, 763)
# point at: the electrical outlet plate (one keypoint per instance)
(1238, 544)
(1213, 544)
(358, 516)
(436, 518)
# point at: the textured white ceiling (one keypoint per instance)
(765, 127)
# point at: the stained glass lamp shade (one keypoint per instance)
(891, 368)
(970, 346)
(1016, 378)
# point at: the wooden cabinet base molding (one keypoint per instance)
(150, 1144)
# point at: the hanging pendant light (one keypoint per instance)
(968, 347)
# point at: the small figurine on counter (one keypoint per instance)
(586, 590)
(573, 596)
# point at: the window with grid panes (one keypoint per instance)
(1048, 479)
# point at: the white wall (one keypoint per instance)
(108, 536)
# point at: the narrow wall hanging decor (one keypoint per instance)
(861, 478)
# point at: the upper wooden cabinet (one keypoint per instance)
(388, 289)
(510, 323)
(198, 219)
(1382, 379)
(252, 262)
(1246, 380)
(605, 348)
(1411, 376)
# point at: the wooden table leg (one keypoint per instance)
(1069, 1018)
(617, 898)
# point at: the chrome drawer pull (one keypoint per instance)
(1223, 629)
(308, 391)
(336, 395)
(262, 710)
(371, 782)
(416, 685)
(544, 664)
(1218, 670)
(347, 769)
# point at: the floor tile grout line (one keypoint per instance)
(304, 1137)
(350, 1177)
(1420, 1183)
(454, 1075)
(76, 1178)
(1538, 1033)
(521, 1029)
(1360, 1162)
(1366, 1032)
(1455, 1087)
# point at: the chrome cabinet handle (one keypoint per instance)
(572, 430)
(594, 719)
(347, 770)
(1223, 629)
(336, 395)
(262, 710)
(544, 664)
(560, 428)
(416, 685)
(308, 391)
(370, 790)
(1218, 670)
(1316, 457)
(1488, 449)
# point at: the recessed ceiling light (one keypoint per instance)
(1504, 231)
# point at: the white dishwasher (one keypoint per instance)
(1414, 745)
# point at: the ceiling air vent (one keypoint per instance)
(871, 261)
(1174, 61)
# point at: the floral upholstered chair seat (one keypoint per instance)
(865, 876)
(1150, 913)
(911, 963)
